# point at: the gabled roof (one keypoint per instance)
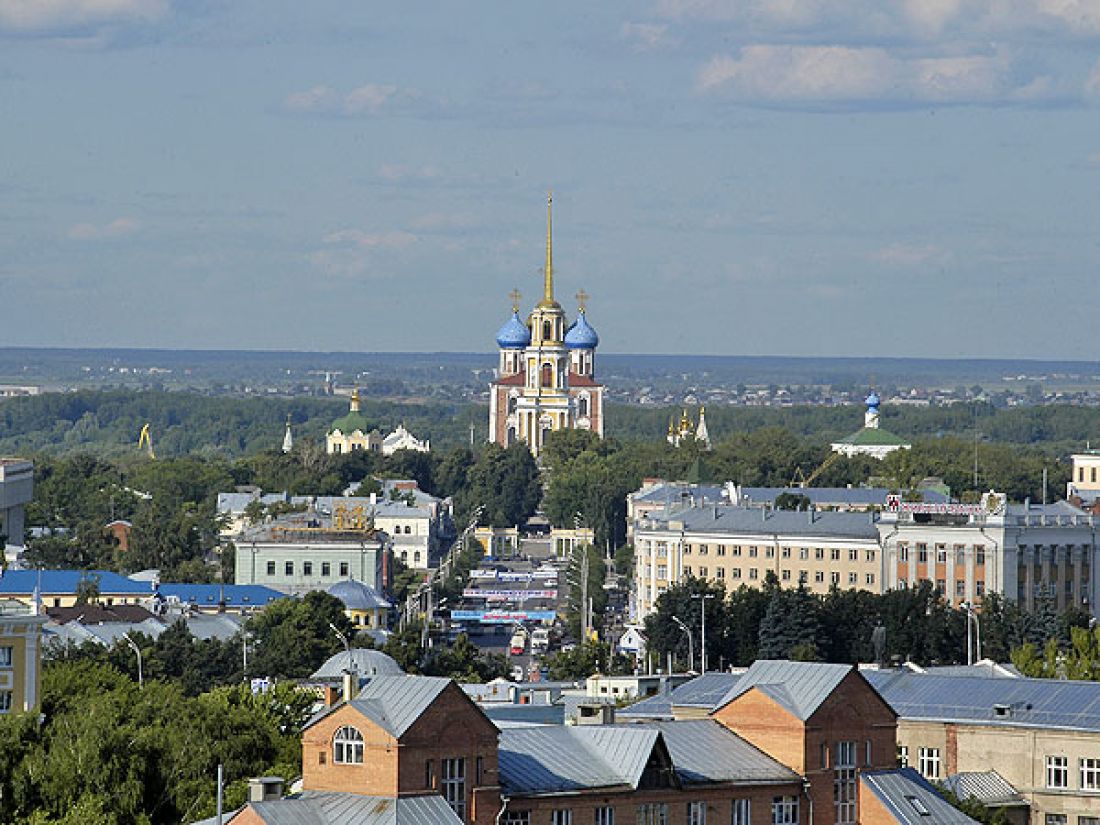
(60, 582)
(911, 799)
(333, 808)
(988, 787)
(553, 759)
(1032, 703)
(704, 751)
(394, 703)
(705, 691)
(800, 687)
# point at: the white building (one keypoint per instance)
(402, 439)
(16, 491)
(1084, 480)
(872, 440)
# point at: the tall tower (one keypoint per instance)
(546, 374)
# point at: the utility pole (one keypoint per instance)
(584, 594)
(703, 597)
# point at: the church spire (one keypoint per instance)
(548, 286)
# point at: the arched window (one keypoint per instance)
(547, 331)
(582, 406)
(511, 437)
(511, 405)
(547, 375)
(347, 746)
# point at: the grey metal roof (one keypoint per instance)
(1033, 703)
(911, 799)
(652, 707)
(988, 787)
(554, 759)
(332, 808)
(627, 747)
(366, 662)
(357, 595)
(703, 751)
(855, 496)
(982, 668)
(728, 519)
(221, 626)
(800, 687)
(396, 702)
(704, 691)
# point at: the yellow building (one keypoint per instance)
(20, 657)
(353, 432)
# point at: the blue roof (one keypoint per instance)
(581, 335)
(234, 595)
(873, 401)
(17, 582)
(514, 334)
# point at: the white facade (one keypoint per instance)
(402, 439)
(1084, 480)
(16, 491)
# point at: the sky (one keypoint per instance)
(735, 177)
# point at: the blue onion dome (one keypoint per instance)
(581, 335)
(514, 334)
(872, 401)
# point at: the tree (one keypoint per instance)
(293, 637)
(792, 501)
(574, 576)
(505, 484)
(580, 662)
(791, 626)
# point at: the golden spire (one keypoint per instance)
(355, 400)
(548, 274)
(515, 295)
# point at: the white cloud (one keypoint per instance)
(95, 232)
(911, 255)
(645, 36)
(389, 239)
(366, 99)
(831, 74)
(37, 15)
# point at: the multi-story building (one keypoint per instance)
(792, 744)
(739, 545)
(312, 551)
(16, 491)
(63, 588)
(546, 375)
(20, 657)
(1084, 479)
(1040, 736)
(1025, 552)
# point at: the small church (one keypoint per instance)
(546, 377)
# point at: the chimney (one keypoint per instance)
(350, 679)
(265, 789)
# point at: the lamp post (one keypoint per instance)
(691, 643)
(137, 651)
(971, 616)
(343, 638)
(703, 598)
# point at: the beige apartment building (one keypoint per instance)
(1041, 736)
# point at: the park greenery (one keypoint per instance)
(774, 622)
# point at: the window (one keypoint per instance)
(960, 589)
(941, 554)
(853, 578)
(741, 812)
(786, 552)
(605, 815)
(561, 816)
(819, 576)
(5, 701)
(270, 571)
(697, 813)
(429, 774)
(702, 549)
(1088, 820)
(1090, 774)
(517, 818)
(922, 552)
(834, 578)
(870, 579)
(819, 553)
(769, 552)
(721, 549)
(1056, 819)
(1057, 772)
(870, 555)
(735, 573)
(824, 754)
(929, 763)
(653, 813)
(903, 756)
(979, 588)
(785, 810)
(344, 568)
(903, 552)
(687, 569)
(687, 549)
(844, 783)
(786, 575)
(853, 555)
(326, 568)
(752, 552)
(834, 554)
(454, 787)
(802, 577)
(288, 568)
(307, 568)
(903, 583)
(720, 572)
(979, 555)
(662, 571)
(737, 550)
(803, 553)
(754, 573)
(347, 746)
(5, 656)
(703, 572)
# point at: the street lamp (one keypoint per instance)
(691, 643)
(971, 616)
(137, 650)
(703, 597)
(343, 638)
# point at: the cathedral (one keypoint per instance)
(546, 375)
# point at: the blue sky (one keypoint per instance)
(803, 177)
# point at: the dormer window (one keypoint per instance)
(347, 746)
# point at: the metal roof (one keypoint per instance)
(861, 496)
(911, 799)
(988, 787)
(728, 519)
(703, 751)
(366, 662)
(555, 758)
(652, 707)
(330, 808)
(51, 582)
(1033, 703)
(358, 596)
(233, 595)
(704, 691)
(396, 702)
(800, 687)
